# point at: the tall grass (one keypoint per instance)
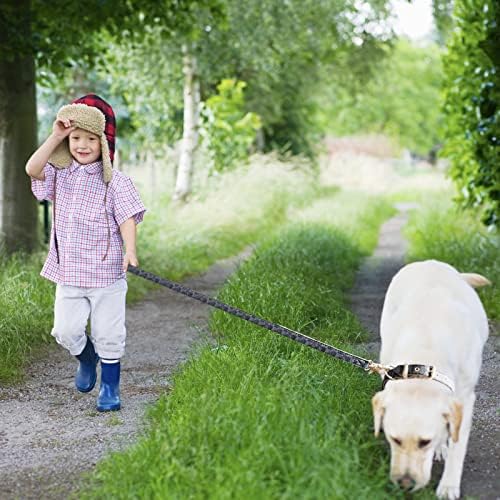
(174, 240)
(258, 416)
(26, 310)
(236, 210)
(380, 176)
(440, 231)
(348, 211)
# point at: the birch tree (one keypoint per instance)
(190, 125)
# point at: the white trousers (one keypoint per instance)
(106, 308)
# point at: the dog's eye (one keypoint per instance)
(397, 441)
(422, 443)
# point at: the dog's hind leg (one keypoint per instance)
(449, 485)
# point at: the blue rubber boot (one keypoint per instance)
(109, 394)
(87, 374)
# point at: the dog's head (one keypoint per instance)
(418, 418)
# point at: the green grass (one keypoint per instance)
(241, 208)
(440, 231)
(174, 241)
(259, 416)
(26, 311)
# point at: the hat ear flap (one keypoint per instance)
(61, 157)
(107, 166)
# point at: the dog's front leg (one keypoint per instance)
(449, 485)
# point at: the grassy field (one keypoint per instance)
(233, 211)
(439, 231)
(174, 241)
(258, 416)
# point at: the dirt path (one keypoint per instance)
(50, 433)
(481, 477)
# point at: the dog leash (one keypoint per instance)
(358, 361)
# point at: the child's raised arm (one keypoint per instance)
(35, 165)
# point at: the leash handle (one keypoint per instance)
(282, 330)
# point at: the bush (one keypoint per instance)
(229, 131)
(472, 106)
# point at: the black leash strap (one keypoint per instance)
(286, 332)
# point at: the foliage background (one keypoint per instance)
(401, 100)
(472, 106)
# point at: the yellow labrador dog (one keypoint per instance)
(433, 329)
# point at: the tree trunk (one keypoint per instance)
(197, 103)
(18, 207)
(190, 131)
(260, 140)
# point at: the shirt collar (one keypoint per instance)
(90, 168)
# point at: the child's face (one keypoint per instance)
(85, 147)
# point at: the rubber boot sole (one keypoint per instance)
(79, 389)
(103, 408)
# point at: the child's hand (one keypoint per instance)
(129, 258)
(62, 128)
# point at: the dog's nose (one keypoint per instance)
(406, 482)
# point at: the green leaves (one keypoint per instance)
(472, 107)
(402, 100)
(278, 48)
(227, 129)
(60, 30)
(442, 13)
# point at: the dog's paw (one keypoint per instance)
(448, 492)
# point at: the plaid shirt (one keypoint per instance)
(81, 226)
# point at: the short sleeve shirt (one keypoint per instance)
(87, 219)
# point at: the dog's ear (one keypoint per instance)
(453, 418)
(378, 406)
(475, 280)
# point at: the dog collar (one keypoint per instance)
(400, 372)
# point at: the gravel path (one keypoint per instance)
(50, 433)
(481, 478)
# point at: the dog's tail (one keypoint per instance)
(475, 280)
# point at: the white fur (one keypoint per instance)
(431, 316)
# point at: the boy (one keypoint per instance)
(95, 212)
